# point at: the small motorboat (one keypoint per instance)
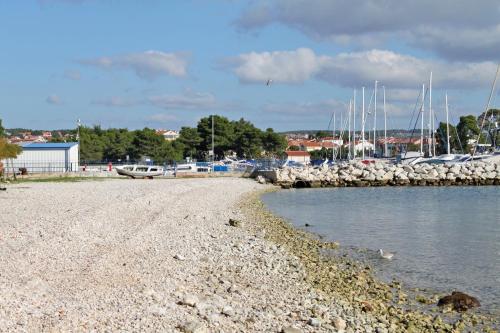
(140, 171)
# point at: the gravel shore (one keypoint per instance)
(161, 255)
(142, 255)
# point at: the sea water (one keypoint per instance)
(444, 238)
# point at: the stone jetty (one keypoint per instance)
(358, 174)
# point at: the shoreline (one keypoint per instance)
(358, 174)
(390, 303)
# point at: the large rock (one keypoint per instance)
(460, 301)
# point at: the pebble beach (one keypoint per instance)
(180, 255)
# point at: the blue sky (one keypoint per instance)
(165, 64)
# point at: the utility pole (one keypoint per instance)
(78, 124)
(213, 148)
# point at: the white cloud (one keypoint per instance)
(456, 29)
(54, 100)
(72, 74)
(280, 66)
(188, 100)
(356, 69)
(115, 101)
(147, 65)
(163, 118)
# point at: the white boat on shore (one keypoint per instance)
(140, 171)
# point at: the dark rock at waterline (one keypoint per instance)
(460, 301)
(307, 225)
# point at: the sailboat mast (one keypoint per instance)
(385, 127)
(334, 155)
(447, 125)
(422, 121)
(363, 126)
(349, 132)
(354, 126)
(430, 116)
(341, 131)
(375, 122)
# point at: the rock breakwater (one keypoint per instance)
(383, 174)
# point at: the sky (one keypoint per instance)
(166, 64)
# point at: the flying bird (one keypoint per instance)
(385, 255)
(268, 83)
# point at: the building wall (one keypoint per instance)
(73, 158)
(46, 160)
(300, 159)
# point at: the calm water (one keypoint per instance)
(445, 238)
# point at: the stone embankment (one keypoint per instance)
(382, 174)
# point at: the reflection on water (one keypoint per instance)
(445, 238)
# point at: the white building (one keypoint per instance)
(298, 156)
(360, 145)
(47, 157)
(169, 135)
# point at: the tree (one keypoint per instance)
(7, 151)
(146, 142)
(323, 134)
(223, 138)
(491, 125)
(191, 140)
(247, 141)
(117, 143)
(2, 130)
(441, 138)
(273, 143)
(467, 131)
(91, 144)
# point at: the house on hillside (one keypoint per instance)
(169, 135)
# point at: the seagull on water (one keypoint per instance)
(385, 255)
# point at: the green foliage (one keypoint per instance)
(8, 150)
(441, 138)
(322, 134)
(491, 125)
(467, 129)
(2, 130)
(91, 144)
(223, 136)
(247, 139)
(294, 148)
(190, 138)
(240, 137)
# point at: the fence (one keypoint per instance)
(13, 166)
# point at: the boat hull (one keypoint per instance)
(139, 171)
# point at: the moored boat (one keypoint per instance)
(140, 171)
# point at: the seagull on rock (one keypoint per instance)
(385, 255)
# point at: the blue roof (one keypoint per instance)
(50, 145)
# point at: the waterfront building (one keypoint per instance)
(298, 156)
(46, 157)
